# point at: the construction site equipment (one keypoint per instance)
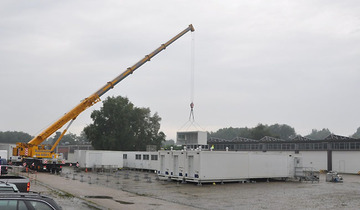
(307, 174)
(333, 176)
(40, 157)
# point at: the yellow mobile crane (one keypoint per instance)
(40, 157)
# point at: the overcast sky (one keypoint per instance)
(255, 61)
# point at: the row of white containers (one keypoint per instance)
(116, 159)
(196, 166)
(213, 166)
(176, 162)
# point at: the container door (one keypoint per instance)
(162, 164)
(176, 165)
(191, 166)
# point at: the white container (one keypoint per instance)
(141, 160)
(99, 158)
(191, 138)
(8, 148)
(4, 154)
(165, 167)
(215, 166)
(179, 165)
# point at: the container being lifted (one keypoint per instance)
(224, 166)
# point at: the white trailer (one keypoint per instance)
(9, 150)
(141, 160)
(4, 154)
(225, 166)
(99, 158)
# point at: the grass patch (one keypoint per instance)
(62, 194)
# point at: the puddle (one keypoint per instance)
(98, 196)
(124, 202)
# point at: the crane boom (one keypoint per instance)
(32, 148)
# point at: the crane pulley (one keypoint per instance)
(192, 111)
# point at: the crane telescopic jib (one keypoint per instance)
(34, 152)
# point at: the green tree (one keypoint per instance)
(82, 139)
(69, 138)
(52, 140)
(119, 125)
(282, 131)
(260, 131)
(278, 131)
(318, 134)
(231, 133)
(225, 133)
(14, 137)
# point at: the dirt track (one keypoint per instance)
(141, 190)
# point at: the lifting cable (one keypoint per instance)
(191, 121)
(192, 77)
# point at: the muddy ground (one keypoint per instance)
(168, 194)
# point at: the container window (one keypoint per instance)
(145, 157)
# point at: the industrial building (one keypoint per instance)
(338, 153)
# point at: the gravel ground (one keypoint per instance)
(66, 200)
(172, 195)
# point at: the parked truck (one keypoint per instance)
(40, 157)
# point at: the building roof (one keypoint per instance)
(337, 137)
(266, 139)
(301, 138)
(242, 139)
(270, 139)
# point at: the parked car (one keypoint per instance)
(27, 201)
(6, 187)
(21, 182)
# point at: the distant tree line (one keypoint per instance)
(277, 131)
(281, 131)
(68, 139)
(119, 125)
(12, 137)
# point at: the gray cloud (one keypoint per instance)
(255, 61)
